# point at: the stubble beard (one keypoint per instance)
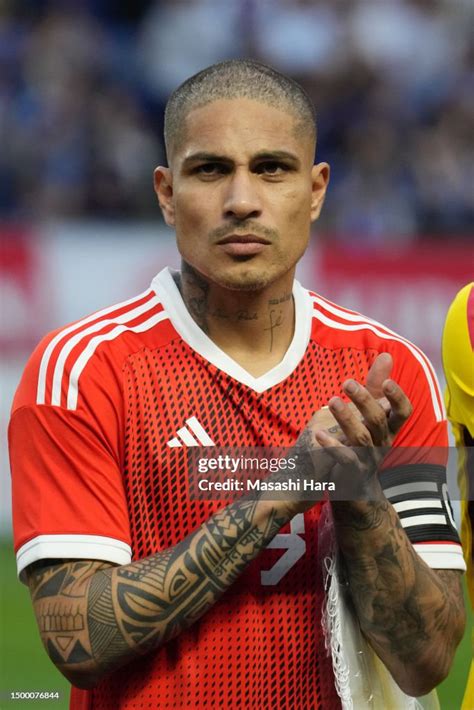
(246, 279)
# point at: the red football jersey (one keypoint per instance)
(99, 433)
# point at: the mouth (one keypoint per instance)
(243, 239)
(243, 245)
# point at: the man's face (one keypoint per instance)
(241, 192)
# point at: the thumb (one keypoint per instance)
(380, 371)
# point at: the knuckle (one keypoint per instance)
(362, 395)
(362, 437)
(344, 456)
(365, 439)
(379, 420)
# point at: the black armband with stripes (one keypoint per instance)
(419, 494)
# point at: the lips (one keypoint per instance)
(243, 239)
(243, 245)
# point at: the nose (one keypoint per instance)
(241, 199)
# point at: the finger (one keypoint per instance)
(351, 423)
(374, 412)
(385, 404)
(325, 439)
(324, 419)
(343, 455)
(380, 371)
(401, 407)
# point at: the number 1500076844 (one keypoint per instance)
(34, 695)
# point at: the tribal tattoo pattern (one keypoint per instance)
(94, 617)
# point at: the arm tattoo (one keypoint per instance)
(94, 617)
(58, 591)
(408, 611)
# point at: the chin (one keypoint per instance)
(242, 280)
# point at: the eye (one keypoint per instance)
(272, 168)
(210, 169)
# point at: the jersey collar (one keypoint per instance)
(167, 291)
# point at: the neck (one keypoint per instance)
(245, 324)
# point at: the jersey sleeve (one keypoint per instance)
(67, 485)
(414, 472)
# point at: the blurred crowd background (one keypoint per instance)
(84, 83)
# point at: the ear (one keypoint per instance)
(163, 182)
(319, 182)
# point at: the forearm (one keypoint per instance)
(412, 615)
(106, 616)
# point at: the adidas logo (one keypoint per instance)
(191, 435)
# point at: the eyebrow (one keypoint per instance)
(276, 155)
(202, 156)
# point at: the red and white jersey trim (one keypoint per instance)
(71, 349)
(89, 350)
(71, 343)
(87, 547)
(170, 296)
(61, 346)
(41, 392)
(355, 321)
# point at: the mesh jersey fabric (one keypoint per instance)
(105, 405)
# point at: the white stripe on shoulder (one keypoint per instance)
(358, 317)
(41, 392)
(75, 339)
(87, 353)
(358, 322)
(355, 317)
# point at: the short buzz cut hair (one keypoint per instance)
(237, 78)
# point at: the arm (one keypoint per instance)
(106, 616)
(412, 615)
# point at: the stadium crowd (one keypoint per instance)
(84, 84)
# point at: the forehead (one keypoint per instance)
(238, 128)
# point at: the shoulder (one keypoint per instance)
(348, 328)
(338, 327)
(92, 349)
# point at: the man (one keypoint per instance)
(222, 603)
(458, 361)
